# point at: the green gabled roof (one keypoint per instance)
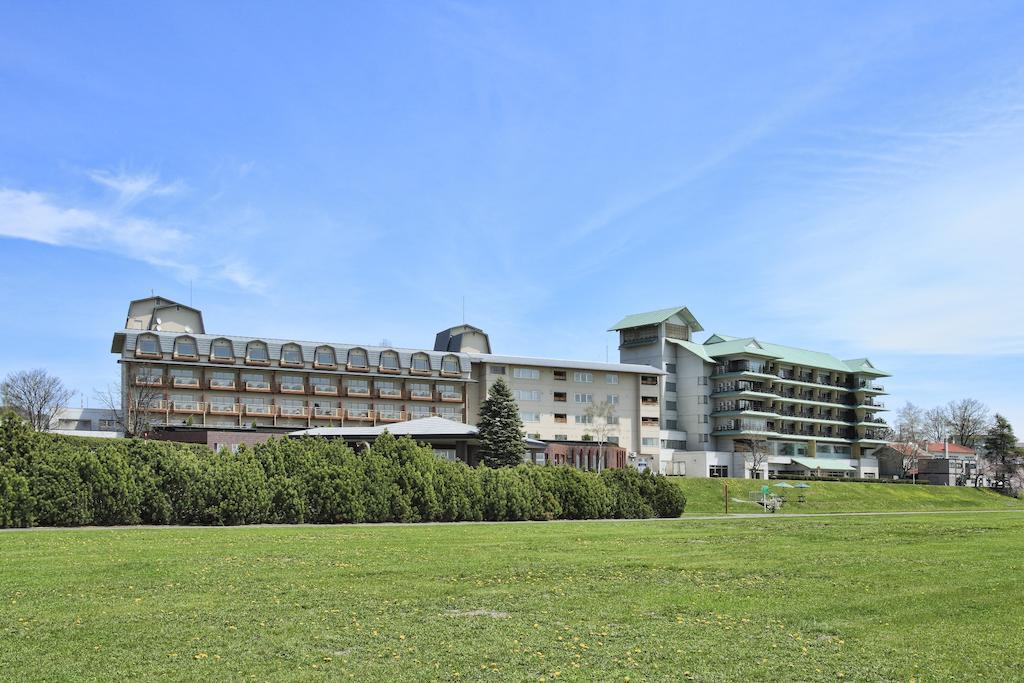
(787, 354)
(694, 348)
(656, 318)
(864, 366)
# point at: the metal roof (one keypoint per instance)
(567, 364)
(656, 318)
(729, 346)
(425, 426)
(693, 348)
(126, 341)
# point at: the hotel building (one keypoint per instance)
(811, 411)
(225, 389)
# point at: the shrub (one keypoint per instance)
(68, 481)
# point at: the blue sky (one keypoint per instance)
(847, 177)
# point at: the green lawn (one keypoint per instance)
(924, 598)
(704, 496)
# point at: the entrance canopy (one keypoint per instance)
(830, 464)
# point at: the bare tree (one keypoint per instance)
(132, 405)
(35, 395)
(968, 421)
(758, 449)
(910, 424)
(936, 424)
(602, 415)
(909, 454)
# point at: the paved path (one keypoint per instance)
(683, 519)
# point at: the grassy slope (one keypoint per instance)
(704, 496)
(751, 599)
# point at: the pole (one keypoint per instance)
(725, 493)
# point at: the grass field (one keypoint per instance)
(704, 496)
(849, 598)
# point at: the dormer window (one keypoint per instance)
(450, 366)
(148, 346)
(185, 347)
(291, 354)
(420, 363)
(325, 358)
(222, 351)
(357, 360)
(389, 362)
(256, 353)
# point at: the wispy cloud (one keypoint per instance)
(40, 217)
(131, 188)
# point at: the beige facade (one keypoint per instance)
(178, 376)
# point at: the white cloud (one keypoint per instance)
(132, 188)
(39, 217)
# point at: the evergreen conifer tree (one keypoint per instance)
(1000, 450)
(501, 429)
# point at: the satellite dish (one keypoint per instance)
(158, 321)
(188, 329)
(157, 328)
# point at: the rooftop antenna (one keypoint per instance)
(190, 293)
(605, 353)
(463, 309)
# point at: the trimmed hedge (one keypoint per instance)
(51, 480)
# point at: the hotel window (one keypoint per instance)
(559, 397)
(496, 369)
(613, 399)
(256, 352)
(325, 357)
(389, 361)
(357, 359)
(702, 400)
(148, 345)
(648, 441)
(357, 409)
(584, 377)
(611, 379)
(450, 365)
(291, 354)
(649, 400)
(388, 388)
(561, 437)
(584, 419)
(670, 368)
(718, 471)
(612, 420)
(389, 411)
(649, 380)
(417, 412)
(613, 440)
(446, 454)
(670, 386)
(670, 405)
(672, 425)
(358, 386)
(559, 417)
(222, 350)
(584, 398)
(560, 375)
(526, 373)
(420, 362)
(417, 390)
(108, 425)
(702, 380)
(529, 417)
(526, 394)
(449, 392)
(450, 413)
(185, 347)
(704, 437)
(648, 422)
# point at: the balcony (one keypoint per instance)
(648, 400)
(648, 380)
(292, 411)
(326, 413)
(420, 395)
(222, 384)
(149, 381)
(450, 396)
(293, 363)
(388, 371)
(392, 416)
(224, 409)
(254, 409)
(186, 382)
(360, 415)
(868, 385)
(291, 388)
(357, 368)
(258, 385)
(363, 392)
(325, 390)
(193, 407)
(156, 406)
(386, 392)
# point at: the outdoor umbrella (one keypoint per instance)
(802, 485)
(784, 485)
